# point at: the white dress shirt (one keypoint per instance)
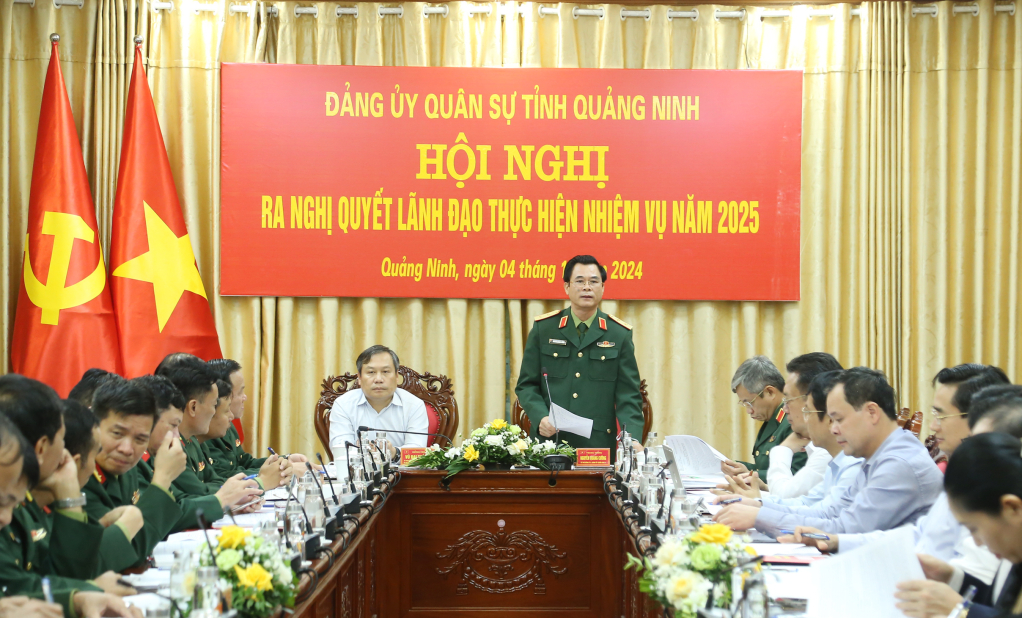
(351, 410)
(784, 484)
(842, 471)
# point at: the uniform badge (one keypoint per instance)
(38, 535)
(603, 324)
(771, 439)
(605, 344)
(202, 465)
(557, 341)
(134, 497)
(237, 442)
(564, 322)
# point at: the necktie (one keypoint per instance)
(581, 328)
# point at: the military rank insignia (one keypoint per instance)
(237, 442)
(605, 344)
(38, 534)
(563, 322)
(134, 497)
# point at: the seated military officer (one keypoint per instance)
(87, 385)
(126, 413)
(759, 386)
(62, 544)
(198, 387)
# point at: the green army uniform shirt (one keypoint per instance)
(229, 458)
(159, 512)
(62, 547)
(772, 433)
(594, 376)
(187, 504)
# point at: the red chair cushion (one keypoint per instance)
(241, 432)
(434, 422)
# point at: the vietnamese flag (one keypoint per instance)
(64, 322)
(158, 295)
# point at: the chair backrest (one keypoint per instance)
(933, 447)
(520, 418)
(436, 391)
(904, 417)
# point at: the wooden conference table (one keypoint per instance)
(500, 540)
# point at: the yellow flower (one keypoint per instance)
(521, 445)
(713, 533)
(254, 576)
(233, 537)
(749, 550)
(470, 454)
(498, 424)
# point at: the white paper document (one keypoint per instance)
(863, 581)
(572, 423)
(694, 456)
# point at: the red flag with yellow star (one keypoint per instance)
(64, 322)
(159, 298)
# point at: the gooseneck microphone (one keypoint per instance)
(327, 474)
(554, 462)
(413, 433)
(200, 516)
(308, 522)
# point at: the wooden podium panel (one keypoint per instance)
(502, 541)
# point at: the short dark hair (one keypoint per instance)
(962, 399)
(997, 402)
(224, 367)
(190, 375)
(961, 373)
(982, 469)
(164, 391)
(173, 359)
(79, 421)
(126, 398)
(810, 365)
(10, 436)
(372, 351)
(863, 385)
(820, 387)
(33, 407)
(86, 387)
(569, 266)
(223, 388)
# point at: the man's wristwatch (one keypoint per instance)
(70, 503)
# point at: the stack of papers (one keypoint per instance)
(694, 456)
(245, 520)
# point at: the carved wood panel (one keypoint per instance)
(490, 562)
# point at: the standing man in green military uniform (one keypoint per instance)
(759, 386)
(589, 359)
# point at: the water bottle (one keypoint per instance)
(207, 600)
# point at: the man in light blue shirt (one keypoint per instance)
(897, 483)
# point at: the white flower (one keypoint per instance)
(453, 453)
(478, 432)
(435, 448)
(494, 440)
(512, 449)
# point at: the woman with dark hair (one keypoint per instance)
(984, 488)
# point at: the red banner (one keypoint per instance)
(481, 183)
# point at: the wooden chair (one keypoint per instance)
(931, 445)
(518, 416)
(435, 391)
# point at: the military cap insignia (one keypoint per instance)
(620, 321)
(237, 442)
(564, 322)
(134, 497)
(605, 344)
(603, 324)
(557, 341)
(38, 534)
(545, 316)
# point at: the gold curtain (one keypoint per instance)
(912, 166)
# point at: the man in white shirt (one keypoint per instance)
(378, 404)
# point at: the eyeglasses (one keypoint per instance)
(807, 413)
(582, 283)
(748, 404)
(787, 400)
(943, 417)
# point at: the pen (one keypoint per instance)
(730, 501)
(250, 477)
(964, 604)
(809, 535)
(272, 452)
(47, 593)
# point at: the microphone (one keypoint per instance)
(555, 463)
(311, 540)
(351, 476)
(413, 433)
(327, 474)
(200, 516)
(330, 522)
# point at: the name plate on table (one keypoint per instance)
(592, 458)
(410, 454)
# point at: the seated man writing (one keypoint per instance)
(378, 404)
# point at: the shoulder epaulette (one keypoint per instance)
(619, 321)
(546, 315)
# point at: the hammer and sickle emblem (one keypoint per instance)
(55, 295)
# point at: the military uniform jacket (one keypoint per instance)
(772, 433)
(159, 511)
(37, 544)
(595, 377)
(229, 458)
(187, 504)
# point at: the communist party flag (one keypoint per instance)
(64, 322)
(158, 295)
